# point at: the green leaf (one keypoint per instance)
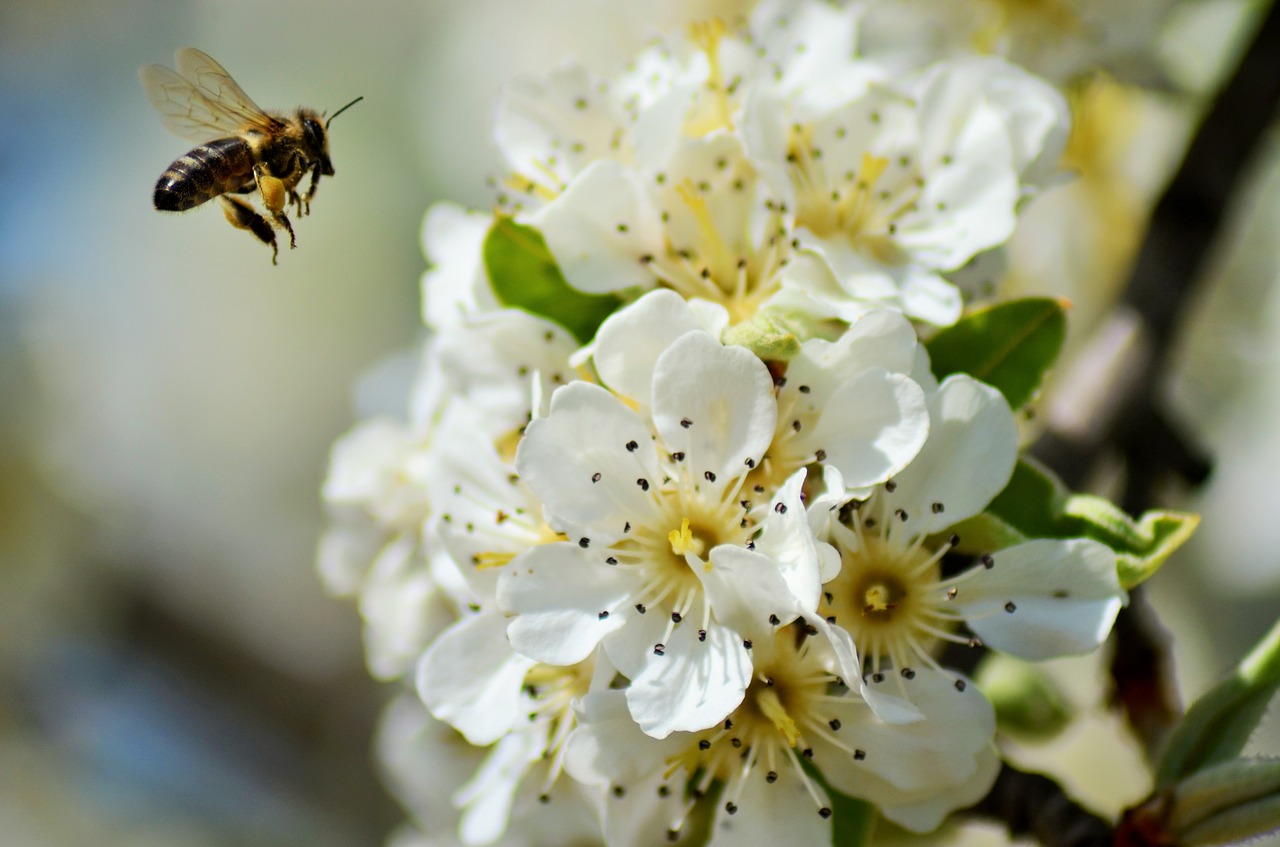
(1032, 501)
(852, 820)
(1229, 802)
(1009, 345)
(1141, 546)
(1217, 725)
(525, 275)
(1035, 504)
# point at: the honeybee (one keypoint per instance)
(242, 147)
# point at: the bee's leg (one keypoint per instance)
(274, 196)
(243, 216)
(311, 189)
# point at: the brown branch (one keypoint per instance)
(1033, 804)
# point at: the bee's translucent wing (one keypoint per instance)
(201, 101)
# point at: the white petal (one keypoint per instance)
(488, 797)
(584, 460)
(599, 229)
(456, 285)
(694, 685)
(564, 599)
(787, 541)
(928, 297)
(471, 678)
(746, 587)
(881, 338)
(629, 342)
(958, 722)
(715, 404)
(1064, 596)
(400, 607)
(926, 810)
(607, 748)
(872, 426)
(535, 116)
(771, 814)
(970, 454)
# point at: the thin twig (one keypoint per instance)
(1035, 805)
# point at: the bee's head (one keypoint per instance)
(316, 135)
(315, 139)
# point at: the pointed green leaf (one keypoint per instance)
(525, 275)
(1142, 546)
(1032, 501)
(1229, 802)
(1217, 725)
(1008, 345)
(1036, 504)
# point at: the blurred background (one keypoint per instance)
(171, 671)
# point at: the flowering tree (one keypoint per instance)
(720, 497)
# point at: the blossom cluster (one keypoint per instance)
(693, 569)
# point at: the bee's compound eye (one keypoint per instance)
(314, 133)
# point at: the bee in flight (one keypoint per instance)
(242, 148)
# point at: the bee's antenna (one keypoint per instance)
(340, 111)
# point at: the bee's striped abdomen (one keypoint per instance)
(207, 171)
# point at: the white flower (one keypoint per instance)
(1060, 40)
(661, 534)
(913, 179)
(750, 766)
(705, 224)
(461, 794)
(1038, 599)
